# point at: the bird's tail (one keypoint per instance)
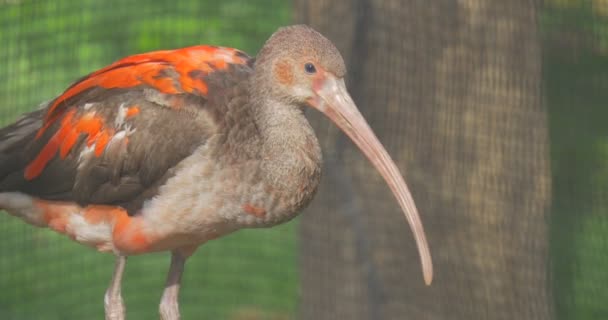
(13, 139)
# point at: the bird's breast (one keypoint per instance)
(210, 196)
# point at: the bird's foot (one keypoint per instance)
(114, 306)
(169, 305)
(168, 311)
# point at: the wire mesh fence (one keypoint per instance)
(494, 110)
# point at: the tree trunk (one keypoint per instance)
(453, 90)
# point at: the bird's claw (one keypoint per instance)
(114, 307)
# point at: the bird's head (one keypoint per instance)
(299, 67)
(296, 61)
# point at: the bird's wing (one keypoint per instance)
(114, 136)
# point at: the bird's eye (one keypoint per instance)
(310, 68)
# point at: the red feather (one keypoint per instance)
(155, 69)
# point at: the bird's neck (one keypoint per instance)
(292, 164)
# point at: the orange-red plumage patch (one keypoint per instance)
(50, 149)
(155, 69)
(127, 232)
(283, 72)
(66, 137)
(95, 214)
(102, 141)
(127, 235)
(56, 213)
(68, 143)
(253, 210)
(132, 111)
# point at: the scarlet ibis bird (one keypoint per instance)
(167, 150)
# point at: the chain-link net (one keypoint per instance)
(493, 110)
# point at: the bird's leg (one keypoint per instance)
(169, 307)
(114, 306)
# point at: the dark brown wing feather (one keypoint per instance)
(116, 145)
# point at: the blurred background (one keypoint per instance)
(494, 110)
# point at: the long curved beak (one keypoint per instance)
(333, 100)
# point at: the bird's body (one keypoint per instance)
(170, 149)
(166, 170)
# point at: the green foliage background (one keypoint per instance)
(45, 45)
(575, 64)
